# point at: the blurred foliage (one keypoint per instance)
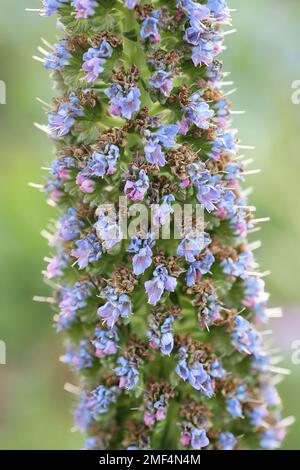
(34, 409)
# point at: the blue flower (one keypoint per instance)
(162, 81)
(198, 268)
(190, 247)
(108, 230)
(128, 373)
(209, 195)
(93, 443)
(166, 135)
(241, 393)
(84, 8)
(203, 53)
(234, 407)
(220, 9)
(57, 264)
(160, 334)
(162, 212)
(105, 49)
(161, 281)
(93, 64)
(210, 189)
(224, 143)
(61, 121)
(88, 251)
(105, 342)
(142, 250)
(272, 438)
(130, 103)
(211, 312)
(97, 166)
(69, 225)
(135, 245)
(227, 441)
(131, 3)
(238, 267)
(123, 103)
(102, 164)
(114, 308)
(100, 400)
(199, 439)
(142, 260)
(51, 6)
(257, 415)
(197, 112)
(270, 394)
(182, 368)
(114, 91)
(72, 299)
(149, 29)
(59, 58)
(61, 168)
(79, 357)
(200, 379)
(167, 339)
(194, 9)
(82, 415)
(216, 370)
(136, 190)
(256, 297)
(244, 337)
(154, 153)
(195, 374)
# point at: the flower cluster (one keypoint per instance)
(201, 32)
(62, 120)
(84, 8)
(88, 250)
(59, 57)
(108, 230)
(123, 102)
(244, 337)
(160, 334)
(102, 163)
(150, 27)
(142, 250)
(196, 438)
(160, 283)
(79, 358)
(199, 267)
(154, 141)
(136, 190)
(100, 399)
(195, 112)
(105, 342)
(158, 330)
(128, 372)
(194, 373)
(72, 299)
(69, 225)
(234, 403)
(226, 441)
(94, 60)
(51, 6)
(115, 307)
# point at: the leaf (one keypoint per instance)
(131, 35)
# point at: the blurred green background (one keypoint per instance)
(264, 58)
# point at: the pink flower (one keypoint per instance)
(160, 414)
(149, 420)
(185, 439)
(183, 127)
